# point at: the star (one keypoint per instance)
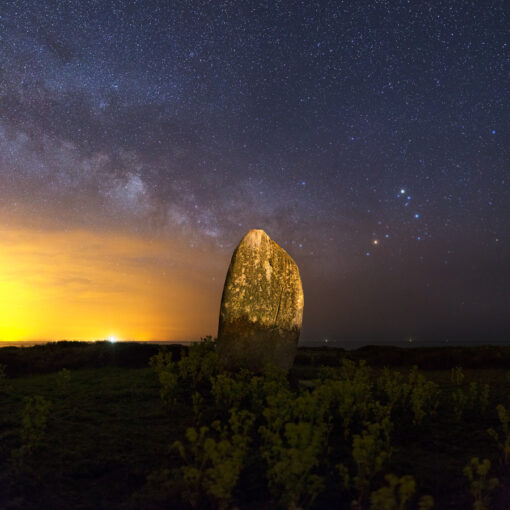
(148, 126)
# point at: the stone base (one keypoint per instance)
(244, 344)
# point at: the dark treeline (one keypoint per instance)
(52, 357)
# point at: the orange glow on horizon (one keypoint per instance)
(84, 285)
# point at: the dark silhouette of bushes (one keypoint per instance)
(55, 356)
(425, 358)
(52, 357)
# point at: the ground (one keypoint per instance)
(109, 438)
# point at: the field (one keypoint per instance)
(94, 427)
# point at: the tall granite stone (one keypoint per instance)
(261, 307)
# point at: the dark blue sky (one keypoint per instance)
(370, 139)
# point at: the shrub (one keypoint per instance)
(34, 422)
(351, 395)
(213, 459)
(480, 486)
(423, 395)
(194, 370)
(231, 391)
(417, 396)
(397, 494)
(294, 437)
(197, 405)
(474, 400)
(166, 371)
(201, 363)
(457, 375)
(503, 436)
(291, 457)
(371, 450)
(33, 430)
(393, 389)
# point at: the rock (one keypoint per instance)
(261, 307)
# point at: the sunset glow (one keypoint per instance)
(83, 285)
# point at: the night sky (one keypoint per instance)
(140, 140)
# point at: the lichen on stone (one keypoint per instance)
(262, 305)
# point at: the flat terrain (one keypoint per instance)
(107, 441)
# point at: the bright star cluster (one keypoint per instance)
(370, 139)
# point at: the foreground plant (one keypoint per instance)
(167, 373)
(294, 438)
(213, 459)
(502, 437)
(350, 395)
(474, 399)
(397, 494)
(193, 370)
(423, 395)
(371, 450)
(34, 425)
(480, 486)
(201, 363)
(457, 375)
(393, 389)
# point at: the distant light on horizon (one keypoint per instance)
(112, 339)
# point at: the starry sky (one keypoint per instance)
(140, 140)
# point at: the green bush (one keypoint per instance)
(423, 395)
(474, 400)
(415, 396)
(371, 450)
(294, 436)
(351, 396)
(397, 494)
(233, 391)
(201, 363)
(193, 371)
(213, 459)
(457, 375)
(393, 390)
(167, 372)
(480, 486)
(503, 436)
(34, 423)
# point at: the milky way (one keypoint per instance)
(370, 139)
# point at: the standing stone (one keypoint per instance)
(261, 307)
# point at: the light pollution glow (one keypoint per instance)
(86, 285)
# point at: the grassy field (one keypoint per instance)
(107, 442)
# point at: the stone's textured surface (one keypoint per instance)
(261, 307)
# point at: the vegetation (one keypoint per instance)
(503, 436)
(480, 485)
(184, 433)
